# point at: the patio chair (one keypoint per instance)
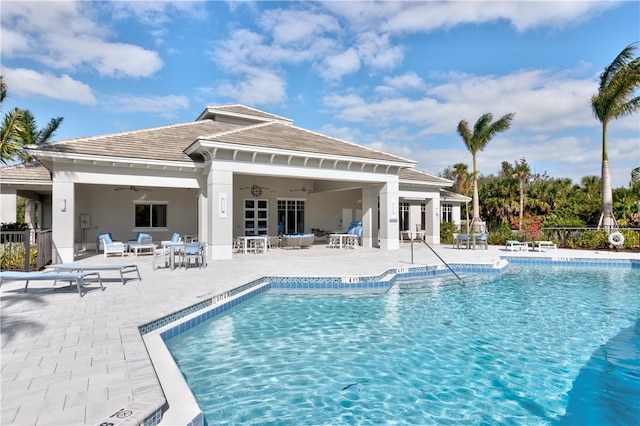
(465, 239)
(483, 240)
(112, 247)
(273, 241)
(192, 251)
(99, 243)
(175, 238)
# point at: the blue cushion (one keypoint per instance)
(107, 238)
(175, 238)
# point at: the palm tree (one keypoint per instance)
(522, 172)
(615, 99)
(483, 131)
(461, 172)
(28, 133)
(8, 128)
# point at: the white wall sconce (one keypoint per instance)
(63, 204)
(222, 213)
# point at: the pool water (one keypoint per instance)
(520, 348)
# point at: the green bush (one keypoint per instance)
(503, 234)
(12, 257)
(446, 232)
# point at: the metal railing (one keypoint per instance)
(27, 250)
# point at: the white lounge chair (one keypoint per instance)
(84, 267)
(71, 277)
(511, 244)
(544, 244)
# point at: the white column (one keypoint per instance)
(8, 205)
(415, 217)
(219, 218)
(63, 214)
(389, 230)
(369, 216)
(432, 227)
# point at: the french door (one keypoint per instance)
(290, 216)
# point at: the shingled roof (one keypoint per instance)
(26, 172)
(419, 176)
(169, 143)
(276, 135)
(158, 143)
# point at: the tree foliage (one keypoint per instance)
(19, 129)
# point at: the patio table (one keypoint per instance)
(245, 242)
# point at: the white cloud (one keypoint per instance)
(297, 28)
(258, 87)
(341, 64)
(523, 15)
(376, 51)
(165, 106)
(29, 83)
(65, 36)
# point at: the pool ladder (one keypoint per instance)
(441, 259)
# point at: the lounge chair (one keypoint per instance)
(511, 244)
(71, 277)
(84, 267)
(112, 247)
(544, 244)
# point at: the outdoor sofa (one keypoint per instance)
(297, 240)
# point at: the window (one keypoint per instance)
(256, 217)
(447, 212)
(404, 216)
(290, 216)
(151, 215)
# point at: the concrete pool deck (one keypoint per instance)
(69, 360)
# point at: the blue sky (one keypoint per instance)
(394, 76)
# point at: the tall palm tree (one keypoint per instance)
(615, 99)
(522, 172)
(483, 131)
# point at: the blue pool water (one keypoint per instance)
(539, 346)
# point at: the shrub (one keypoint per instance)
(446, 232)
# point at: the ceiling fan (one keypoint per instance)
(131, 188)
(304, 188)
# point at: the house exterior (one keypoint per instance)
(233, 171)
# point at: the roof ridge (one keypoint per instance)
(241, 129)
(270, 114)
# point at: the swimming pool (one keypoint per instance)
(500, 349)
